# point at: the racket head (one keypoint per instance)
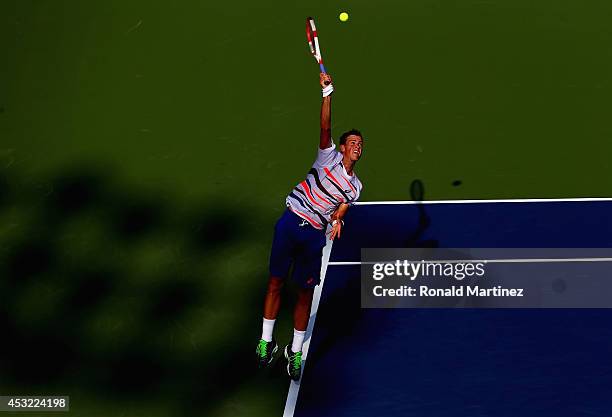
(313, 39)
(310, 29)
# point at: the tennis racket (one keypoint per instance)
(313, 43)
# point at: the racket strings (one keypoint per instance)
(313, 40)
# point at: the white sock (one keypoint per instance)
(298, 340)
(267, 329)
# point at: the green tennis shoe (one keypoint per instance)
(265, 352)
(294, 365)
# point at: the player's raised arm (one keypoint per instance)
(325, 138)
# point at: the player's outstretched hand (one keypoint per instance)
(336, 231)
(325, 80)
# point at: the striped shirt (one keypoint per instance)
(326, 186)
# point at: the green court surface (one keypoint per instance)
(146, 149)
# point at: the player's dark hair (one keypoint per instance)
(349, 133)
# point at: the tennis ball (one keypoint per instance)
(343, 16)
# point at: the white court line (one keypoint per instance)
(516, 200)
(294, 387)
(491, 261)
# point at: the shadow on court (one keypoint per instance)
(415, 238)
(125, 295)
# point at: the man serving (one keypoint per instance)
(323, 198)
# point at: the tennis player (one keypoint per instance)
(322, 199)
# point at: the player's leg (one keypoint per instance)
(273, 297)
(267, 346)
(301, 312)
(280, 261)
(307, 274)
(301, 315)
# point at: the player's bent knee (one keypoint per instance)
(305, 294)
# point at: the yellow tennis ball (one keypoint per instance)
(343, 16)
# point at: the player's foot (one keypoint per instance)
(265, 352)
(294, 365)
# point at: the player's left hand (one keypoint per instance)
(336, 230)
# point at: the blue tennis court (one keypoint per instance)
(456, 362)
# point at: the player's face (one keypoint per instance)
(352, 148)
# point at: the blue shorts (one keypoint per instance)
(296, 241)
